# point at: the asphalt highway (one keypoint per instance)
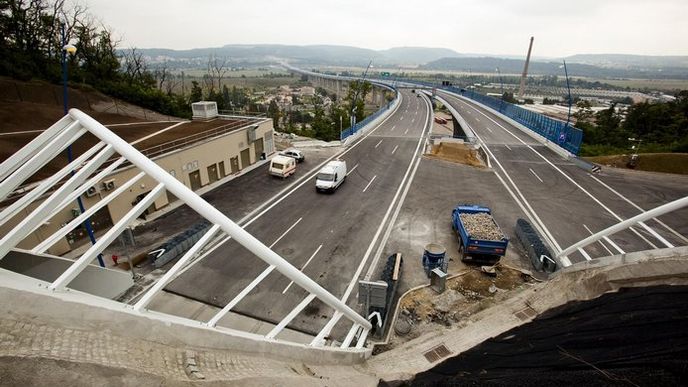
(570, 202)
(326, 235)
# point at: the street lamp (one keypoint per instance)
(568, 87)
(70, 49)
(501, 104)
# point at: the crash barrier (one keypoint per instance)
(359, 125)
(539, 254)
(177, 246)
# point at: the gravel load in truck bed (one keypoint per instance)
(481, 226)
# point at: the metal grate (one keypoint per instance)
(526, 313)
(437, 353)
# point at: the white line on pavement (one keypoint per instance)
(285, 233)
(406, 131)
(507, 147)
(352, 169)
(378, 143)
(488, 129)
(535, 174)
(303, 267)
(393, 127)
(395, 149)
(369, 183)
(602, 244)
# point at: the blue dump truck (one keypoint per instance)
(480, 238)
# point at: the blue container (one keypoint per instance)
(433, 257)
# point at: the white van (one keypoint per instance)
(282, 166)
(331, 176)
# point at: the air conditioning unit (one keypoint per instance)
(109, 185)
(91, 191)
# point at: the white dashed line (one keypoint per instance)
(285, 233)
(378, 144)
(507, 147)
(369, 183)
(303, 267)
(406, 131)
(535, 174)
(395, 149)
(352, 169)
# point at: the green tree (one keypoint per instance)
(275, 114)
(196, 92)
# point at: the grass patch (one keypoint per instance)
(653, 162)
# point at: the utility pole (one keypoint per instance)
(524, 76)
(353, 102)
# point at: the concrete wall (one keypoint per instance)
(26, 300)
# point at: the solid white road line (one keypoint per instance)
(352, 169)
(395, 149)
(569, 178)
(261, 210)
(535, 174)
(671, 230)
(285, 233)
(303, 267)
(369, 183)
(507, 146)
(602, 244)
(378, 143)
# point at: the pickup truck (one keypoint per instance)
(480, 238)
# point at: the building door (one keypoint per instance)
(195, 180)
(212, 174)
(245, 158)
(221, 166)
(234, 164)
(258, 146)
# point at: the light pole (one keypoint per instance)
(71, 50)
(501, 84)
(568, 87)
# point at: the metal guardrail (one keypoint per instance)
(352, 130)
(169, 146)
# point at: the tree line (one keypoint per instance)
(661, 126)
(31, 46)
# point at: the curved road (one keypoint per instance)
(328, 235)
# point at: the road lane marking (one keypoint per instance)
(393, 127)
(488, 129)
(285, 233)
(507, 146)
(602, 244)
(303, 267)
(671, 230)
(276, 199)
(413, 120)
(401, 119)
(395, 149)
(477, 119)
(570, 179)
(352, 169)
(378, 144)
(533, 172)
(406, 131)
(369, 183)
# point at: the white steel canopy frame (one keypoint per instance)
(89, 170)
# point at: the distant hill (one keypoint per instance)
(312, 54)
(515, 66)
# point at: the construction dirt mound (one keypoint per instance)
(456, 153)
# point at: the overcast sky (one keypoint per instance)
(560, 28)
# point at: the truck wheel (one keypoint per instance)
(462, 253)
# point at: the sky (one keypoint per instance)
(500, 27)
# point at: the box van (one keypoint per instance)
(282, 166)
(331, 176)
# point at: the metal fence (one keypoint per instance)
(561, 133)
(353, 129)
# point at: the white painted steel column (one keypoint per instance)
(148, 296)
(25, 153)
(44, 155)
(60, 233)
(45, 185)
(40, 214)
(286, 320)
(65, 278)
(213, 215)
(661, 210)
